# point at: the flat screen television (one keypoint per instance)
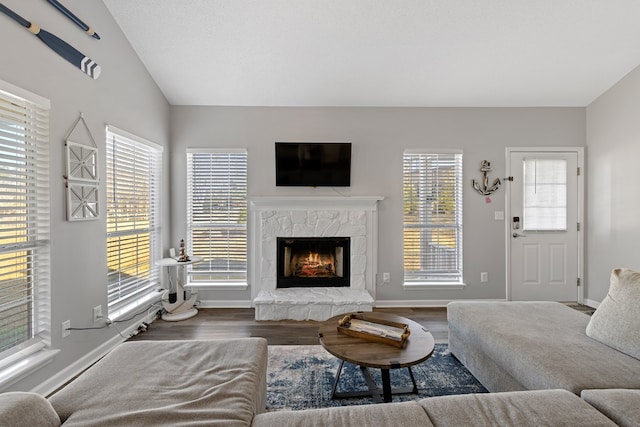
(313, 164)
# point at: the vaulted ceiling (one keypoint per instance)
(383, 52)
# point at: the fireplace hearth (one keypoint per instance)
(304, 262)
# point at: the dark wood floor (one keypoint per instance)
(217, 323)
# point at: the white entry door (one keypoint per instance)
(544, 238)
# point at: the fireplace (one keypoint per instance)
(304, 262)
(279, 218)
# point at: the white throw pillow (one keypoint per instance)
(616, 322)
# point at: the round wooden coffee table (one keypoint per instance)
(371, 354)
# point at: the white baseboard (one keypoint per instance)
(380, 303)
(225, 304)
(423, 303)
(76, 368)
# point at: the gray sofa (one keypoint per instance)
(533, 346)
(522, 409)
(527, 408)
(546, 365)
(155, 383)
(223, 383)
(546, 345)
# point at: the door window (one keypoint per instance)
(545, 195)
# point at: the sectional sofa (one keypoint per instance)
(222, 383)
(545, 363)
(545, 345)
(155, 383)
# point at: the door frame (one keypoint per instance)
(580, 211)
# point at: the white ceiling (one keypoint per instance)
(383, 52)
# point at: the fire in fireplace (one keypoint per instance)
(313, 262)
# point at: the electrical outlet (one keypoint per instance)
(65, 329)
(97, 313)
(484, 277)
(386, 277)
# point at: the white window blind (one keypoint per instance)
(24, 221)
(217, 214)
(133, 218)
(545, 194)
(432, 217)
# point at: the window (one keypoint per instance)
(24, 231)
(432, 217)
(133, 220)
(545, 194)
(217, 214)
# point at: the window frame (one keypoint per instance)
(31, 113)
(222, 283)
(450, 278)
(144, 288)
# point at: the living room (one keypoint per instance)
(125, 95)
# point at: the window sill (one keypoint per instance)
(233, 286)
(433, 285)
(24, 363)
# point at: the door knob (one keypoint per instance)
(518, 235)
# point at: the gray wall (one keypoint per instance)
(379, 136)
(613, 135)
(124, 96)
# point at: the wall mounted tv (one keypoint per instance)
(313, 164)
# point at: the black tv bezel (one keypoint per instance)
(311, 183)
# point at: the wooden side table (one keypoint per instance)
(370, 354)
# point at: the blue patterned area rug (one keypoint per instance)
(301, 377)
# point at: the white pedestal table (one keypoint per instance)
(178, 301)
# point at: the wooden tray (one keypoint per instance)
(372, 329)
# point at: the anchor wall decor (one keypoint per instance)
(485, 190)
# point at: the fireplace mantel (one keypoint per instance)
(311, 216)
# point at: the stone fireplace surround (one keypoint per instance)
(306, 216)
